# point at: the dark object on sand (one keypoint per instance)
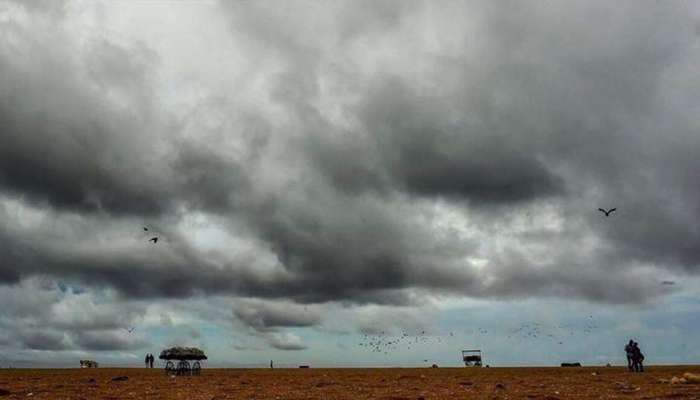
(576, 364)
(303, 366)
(88, 364)
(120, 378)
(4, 392)
(183, 355)
(434, 366)
(471, 358)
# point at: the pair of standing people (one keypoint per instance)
(635, 358)
(149, 360)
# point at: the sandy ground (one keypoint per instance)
(385, 384)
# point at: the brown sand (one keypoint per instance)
(385, 384)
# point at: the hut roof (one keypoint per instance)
(182, 353)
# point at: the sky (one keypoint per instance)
(323, 175)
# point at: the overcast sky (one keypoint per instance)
(317, 171)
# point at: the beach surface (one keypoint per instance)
(378, 383)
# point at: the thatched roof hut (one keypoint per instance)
(182, 353)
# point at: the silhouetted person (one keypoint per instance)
(629, 351)
(271, 366)
(148, 358)
(637, 358)
(151, 360)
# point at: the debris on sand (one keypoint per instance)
(91, 380)
(576, 364)
(687, 379)
(625, 387)
(323, 384)
(120, 378)
(500, 386)
(4, 392)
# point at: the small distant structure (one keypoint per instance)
(183, 355)
(304, 366)
(471, 358)
(576, 364)
(88, 364)
(434, 366)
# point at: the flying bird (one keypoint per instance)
(130, 329)
(153, 239)
(145, 229)
(607, 213)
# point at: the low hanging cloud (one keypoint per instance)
(287, 341)
(39, 314)
(265, 317)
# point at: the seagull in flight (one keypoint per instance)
(607, 213)
(153, 239)
(145, 229)
(130, 329)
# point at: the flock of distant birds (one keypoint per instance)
(385, 343)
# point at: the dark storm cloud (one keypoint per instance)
(416, 150)
(484, 110)
(62, 141)
(44, 341)
(67, 140)
(268, 317)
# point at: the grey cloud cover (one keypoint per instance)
(360, 152)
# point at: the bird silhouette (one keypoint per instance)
(130, 329)
(607, 213)
(145, 229)
(153, 239)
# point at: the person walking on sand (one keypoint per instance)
(151, 360)
(148, 358)
(271, 366)
(637, 358)
(629, 351)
